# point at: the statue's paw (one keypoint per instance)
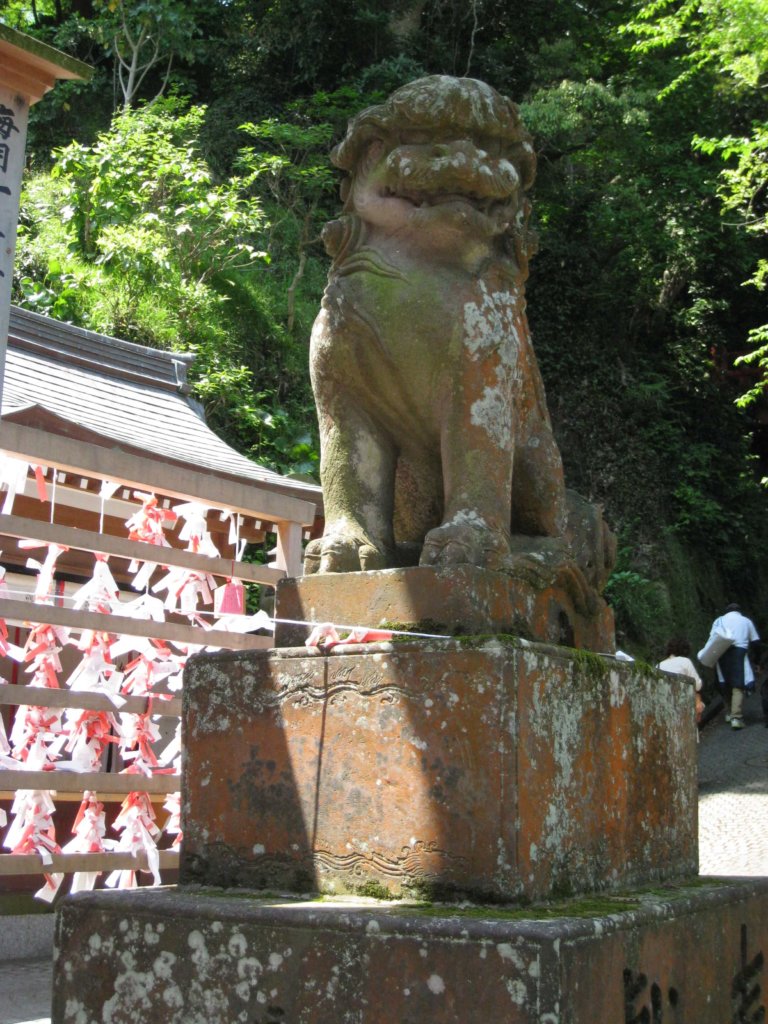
(338, 552)
(465, 544)
(312, 555)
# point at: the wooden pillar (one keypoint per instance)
(289, 554)
(14, 109)
(28, 69)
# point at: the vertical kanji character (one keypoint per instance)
(745, 989)
(6, 122)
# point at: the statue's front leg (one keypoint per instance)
(477, 478)
(479, 418)
(358, 471)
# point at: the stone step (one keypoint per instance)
(686, 953)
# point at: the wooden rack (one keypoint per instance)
(287, 516)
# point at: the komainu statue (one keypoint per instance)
(436, 441)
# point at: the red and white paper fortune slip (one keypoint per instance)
(44, 738)
(89, 832)
(32, 831)
(116, 666)
(136, 821)
(41, 736)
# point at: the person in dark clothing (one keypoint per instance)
(761, 684)
(734, 669)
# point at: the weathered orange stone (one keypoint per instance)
(487, 768)
(459, 600)
(690, 956)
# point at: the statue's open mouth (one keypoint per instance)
(458, 181)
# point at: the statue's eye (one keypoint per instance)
(415, 138)
(491, 144)
(375, 149)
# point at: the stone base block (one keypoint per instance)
(151, 957)
(484, 768)
(458, 600)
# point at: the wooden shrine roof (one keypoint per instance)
(32, 67)
(106, 392)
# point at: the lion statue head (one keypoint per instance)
(443, 158)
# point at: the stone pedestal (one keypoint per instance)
(552, 607)
(482, 768)
(684, 956)
(485, 767)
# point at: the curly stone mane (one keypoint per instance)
(438, 108)
(442, 105)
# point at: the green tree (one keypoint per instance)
(294, 176)
(634, 289)
(728, 38)
(142, 194)
(144, 36)
(132, 236)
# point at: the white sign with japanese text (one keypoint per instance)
(14, 110)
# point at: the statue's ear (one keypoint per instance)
(371, 155)
(344, 189)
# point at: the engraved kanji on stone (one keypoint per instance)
(635, 986)
(6, 122)
(5, 152)
(745, 989)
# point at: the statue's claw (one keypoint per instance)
(339, 552)
(312, 557)
(458, 544)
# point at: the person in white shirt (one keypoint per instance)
(678, 660)
(734, 669)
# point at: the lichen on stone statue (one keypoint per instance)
(436, 442)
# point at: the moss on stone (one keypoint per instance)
(236, 893)
(646, 671)
(431, 900)
(437, 629)
(13, 904)
(579, 908)
(477, 641)
(374, 890)
(594, 905)
(589, 667)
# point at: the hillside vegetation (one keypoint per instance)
(177, 200)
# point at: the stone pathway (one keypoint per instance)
(733, 840)
(733, 795)
(25, 991)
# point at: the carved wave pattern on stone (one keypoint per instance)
(413, 862)
(304, 695)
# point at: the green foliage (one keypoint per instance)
(142, 35)
(133, 236)
(729, 37)
(141, 196)
(744, 190)
(635, 286)
(650, 205)
(290, 168)
(641, 609)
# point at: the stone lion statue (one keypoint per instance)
(436, 443)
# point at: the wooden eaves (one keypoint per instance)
(32, 67)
